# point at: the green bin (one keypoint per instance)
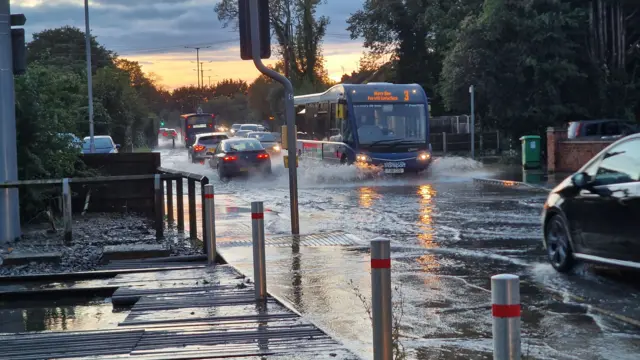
(530, 151)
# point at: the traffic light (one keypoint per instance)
(18, 44)
(161, 123)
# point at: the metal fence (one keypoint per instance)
(461, 143)
(458, 124)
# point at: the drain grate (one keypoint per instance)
(335, 238)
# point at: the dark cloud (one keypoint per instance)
(140, 27)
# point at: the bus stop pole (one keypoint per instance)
(288, 112)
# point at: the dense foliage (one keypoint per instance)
(533, 63)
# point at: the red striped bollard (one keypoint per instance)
(210, 227)
(505, 308)
(259, 268)
(381, 311)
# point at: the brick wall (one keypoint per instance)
(565, 155)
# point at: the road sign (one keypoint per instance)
(246, 50)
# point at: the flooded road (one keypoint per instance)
(449, 237)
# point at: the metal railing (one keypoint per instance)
(192, 178)
(165, 176)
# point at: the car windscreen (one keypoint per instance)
(100, 143)
(211, 140)
(249, 127)
(265, 137)
(244, 145)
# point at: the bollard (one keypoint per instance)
(210, 230)
(159, 206)
(505, 308)
(257, 230)
(203, 200)
(66, 210)
(381, 310)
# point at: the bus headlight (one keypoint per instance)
(363, 158)
(424, 156)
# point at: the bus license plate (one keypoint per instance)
(393, 171)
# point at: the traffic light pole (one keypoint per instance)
(9, 205)
(288, 112)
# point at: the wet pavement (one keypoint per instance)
(449, 236)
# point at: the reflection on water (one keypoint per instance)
(367, 196)
(428, 262)
(59, 317)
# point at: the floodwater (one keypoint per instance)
(60, 315)
(449, 236)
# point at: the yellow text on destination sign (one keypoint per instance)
(382, 96)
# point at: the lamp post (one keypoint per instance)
(87, 35)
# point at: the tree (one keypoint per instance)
(65, 47)
(297, 31)
(521, 57)
(230, 87)
(48, 103)
(258, 98)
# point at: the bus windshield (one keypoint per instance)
(387, 123)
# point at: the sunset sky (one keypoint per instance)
(157, 32)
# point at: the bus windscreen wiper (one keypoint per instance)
(384, 141)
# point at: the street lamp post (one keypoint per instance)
(92, 145)
(473, 122)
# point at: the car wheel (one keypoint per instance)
(559, 249)
(223, 177)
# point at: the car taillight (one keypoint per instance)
(198, 148)
(188, 126)
(210, 125)
(165, 134)
(263, 156)
(230, 158)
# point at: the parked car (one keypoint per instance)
(237, 156)
(104, 144)
(267, 140)
(204, 145)
(605, 128)
(594, 214)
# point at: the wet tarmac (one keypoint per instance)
(449, 236)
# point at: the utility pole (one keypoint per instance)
(87, 40)
(202, 74)
(197, 59)
(9, 203)
(209, 80)
(202, 71)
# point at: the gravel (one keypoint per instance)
(90, 234)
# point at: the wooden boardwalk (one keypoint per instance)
(196, 312)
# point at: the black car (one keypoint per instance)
(237, 156)
(594, 215)
(204, 145)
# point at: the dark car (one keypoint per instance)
(103, 145)
(237, 156)
(268, 141)
(605, 128)
(204, 146)
(594, 215)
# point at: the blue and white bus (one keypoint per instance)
(380, 124)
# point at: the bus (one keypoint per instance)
(192, 124)
(378, 124)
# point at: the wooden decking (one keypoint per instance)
(195, 312)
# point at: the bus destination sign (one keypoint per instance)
(382, 96)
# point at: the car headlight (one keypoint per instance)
(424, 156)
(363, 158)
(276, 148)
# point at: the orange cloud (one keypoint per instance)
(178, 69)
